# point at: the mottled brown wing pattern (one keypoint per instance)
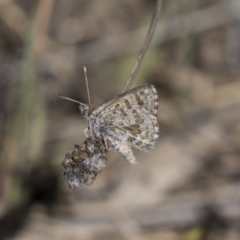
(128, 120)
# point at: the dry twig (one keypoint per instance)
(145, 46)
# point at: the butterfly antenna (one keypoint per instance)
(86, 79)
(70, 99)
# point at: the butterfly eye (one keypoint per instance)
(84, 110)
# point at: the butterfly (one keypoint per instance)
(129, 120)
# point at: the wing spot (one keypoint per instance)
(134, 111)
(156, 136)
(138, 119)
(127, 102)
(130, 139)
(137, 98)
(133, 129)
(146, 91)
(123, 114)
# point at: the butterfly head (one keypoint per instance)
(85, 110)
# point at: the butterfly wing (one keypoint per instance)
(129, 119)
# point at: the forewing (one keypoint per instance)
(132, 117)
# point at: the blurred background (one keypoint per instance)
(187, 187)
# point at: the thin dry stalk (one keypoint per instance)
(145, 46)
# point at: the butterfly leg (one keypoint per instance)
(88, 129)
(105, 143)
